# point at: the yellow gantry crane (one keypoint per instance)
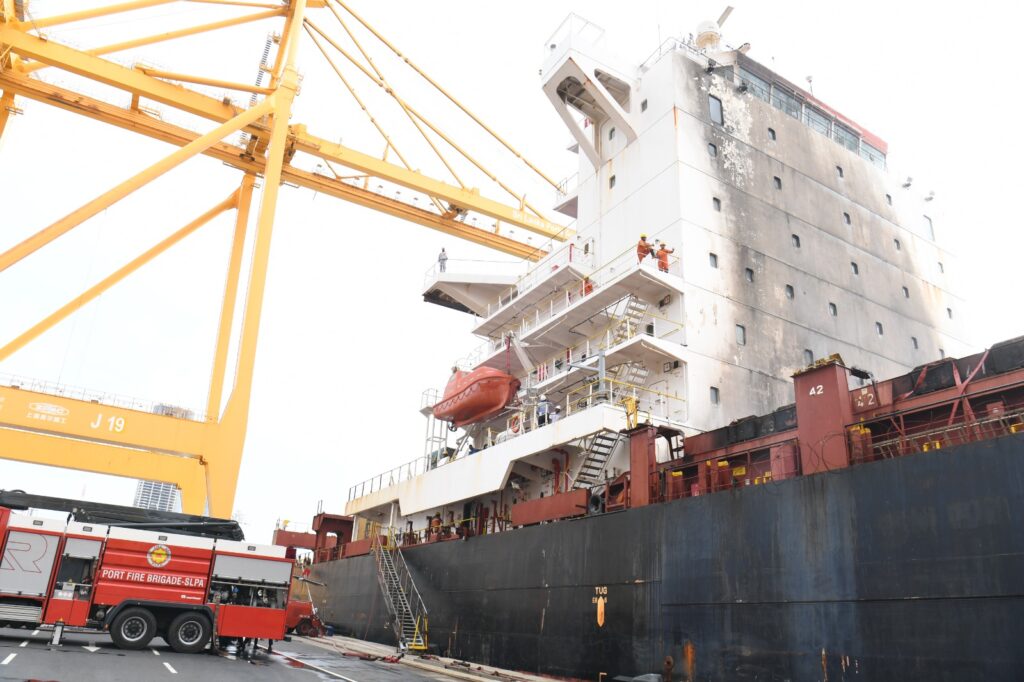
(202, 457)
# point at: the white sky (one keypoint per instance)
(347, 344)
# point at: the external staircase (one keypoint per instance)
(633, 313)
(599, 451)
(403, 600)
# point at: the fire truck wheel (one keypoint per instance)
(189, 632)
(304, 628)
(133, 628)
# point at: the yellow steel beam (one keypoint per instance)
(85, 420)
(222, 471)
(169, 35)
(109, 281)
(167, 132)
(444, 92)
(414, 115)
(161, 91)
(115, 75)
(67, 223)
(57, 20)
(227, 313)
(461, 198)
(200, 80)
(49, 450)
(382, 81)
(6, 104)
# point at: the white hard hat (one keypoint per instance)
(543, 397)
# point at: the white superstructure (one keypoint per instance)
(791, 242)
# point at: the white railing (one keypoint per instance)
(651, 405)
(568, 254)
(567, 186)
(94, 396)
(465, 266)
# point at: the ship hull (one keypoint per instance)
(903, 569)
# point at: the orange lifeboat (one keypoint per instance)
(474, 396)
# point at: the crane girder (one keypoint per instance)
(149, 126)
(201, 456)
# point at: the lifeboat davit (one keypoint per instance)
(474, 396)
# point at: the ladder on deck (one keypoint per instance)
(633, 373)
(403, 601)
(629, 323)
(599, 451)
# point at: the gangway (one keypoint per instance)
(402, 599)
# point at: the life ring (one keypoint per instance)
(513, 425)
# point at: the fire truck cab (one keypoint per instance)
(138, 584)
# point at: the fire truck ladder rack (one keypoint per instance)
(599, 450)
(127, 517)
(403, 601)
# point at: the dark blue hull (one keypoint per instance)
(904, 569)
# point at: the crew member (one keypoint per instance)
(442, 260)
(556, 415)
(643, 249)
(663, 253)
(543, 410)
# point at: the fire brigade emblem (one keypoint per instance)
(158, 556)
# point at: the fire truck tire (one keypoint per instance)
(133, 628)
(304, 628)
(189, 632)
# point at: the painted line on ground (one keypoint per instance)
(155, 652)
(168, 666)
(35, 632)
(91, 649)
(9, 658)
(24, 644)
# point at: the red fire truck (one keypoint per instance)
(139, 583)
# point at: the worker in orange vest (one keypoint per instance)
(663, 256)
(643, 249)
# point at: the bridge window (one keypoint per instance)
(715, 108)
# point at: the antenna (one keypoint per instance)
(725, 15)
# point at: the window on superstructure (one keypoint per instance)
(785, 100)
(796, 240)
(839, 172)
(846, 218)
(949, 313)
(741, 335)
(875, 156)
(913, 340)
(845, 136)
(643, 105)
(611, 182)
(854, 268)
(790, 292)
(888, 199)
(712, 150)
(817, 120)
(942, 353)
(942, 268)
(929, 229)
(771, 134)
(906, 292)
(878, 329)
(757, 86)
(714, 395)
(715, 109)
(808, 356)
(833, 310)
(611, 133)
(713, 260)
(777, 181)
(748, 274)
(896, 243)
(716, 203)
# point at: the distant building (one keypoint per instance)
(153, 495)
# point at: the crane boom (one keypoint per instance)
(201, 456)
